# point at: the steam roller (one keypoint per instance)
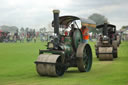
(64, 51)
(106, 46)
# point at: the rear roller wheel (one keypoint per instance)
(84, 57)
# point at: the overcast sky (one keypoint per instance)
(38, 13)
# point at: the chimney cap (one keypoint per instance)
(56, 11)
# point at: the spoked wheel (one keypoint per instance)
(84, 57)
(49, 65)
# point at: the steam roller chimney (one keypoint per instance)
(56, 21)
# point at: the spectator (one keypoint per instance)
(85, 34)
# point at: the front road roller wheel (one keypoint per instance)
(105, 53)
(49, 65)
(84, 57)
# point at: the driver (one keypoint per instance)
(110, 34)
(72, 30)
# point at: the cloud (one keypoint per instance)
(38, 13)
(28, 12)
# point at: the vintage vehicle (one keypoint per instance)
(65, 51)
(106, 47)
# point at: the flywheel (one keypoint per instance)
(76, 39)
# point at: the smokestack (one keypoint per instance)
(56, 21)
(105, 29)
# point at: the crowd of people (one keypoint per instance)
(21, 37)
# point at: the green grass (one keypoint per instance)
(17, 67)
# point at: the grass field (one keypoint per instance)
(17, 68)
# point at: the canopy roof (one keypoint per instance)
(67, 20)
(108, 25)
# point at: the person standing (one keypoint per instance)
(72, 30)
(85, 33)
(34, 39)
